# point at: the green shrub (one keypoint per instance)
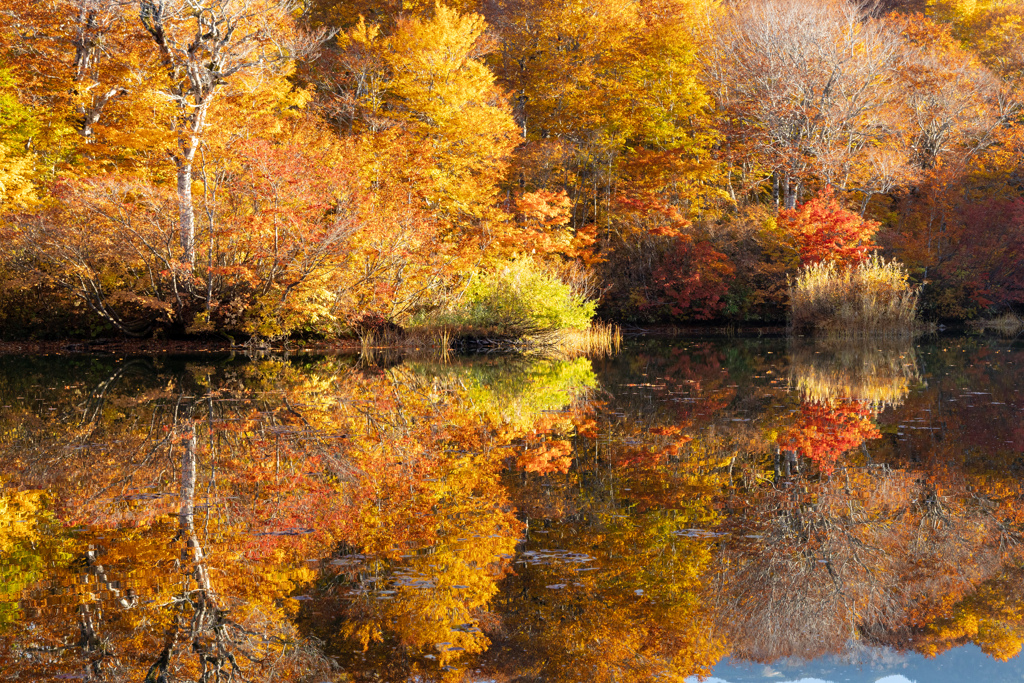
(871, 297)
(518, 300)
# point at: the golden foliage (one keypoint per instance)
(837, 371)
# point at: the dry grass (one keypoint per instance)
(880, 374)
(598, 339)
(387, 348)
(444, 340)
(868, 299)
(367, 344)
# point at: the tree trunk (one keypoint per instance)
(186, 212)
(188, 143)
(791, 191)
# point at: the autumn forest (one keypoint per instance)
(511, 341)
(272, 168)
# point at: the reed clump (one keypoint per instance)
(597, 339)
(873, 297)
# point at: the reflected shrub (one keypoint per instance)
(880, 374)
(515, 391)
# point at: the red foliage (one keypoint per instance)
(692, 279)
(823, 432)
(649, 214)
(987, 259)
(547, 457)
(825, 231)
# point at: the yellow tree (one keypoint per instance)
(121, 89)
(615, 119)
(598, 86)
(425, 84)
(203, 47)
(345, 14)
(992, 28)
(17, 125)
(78, 59)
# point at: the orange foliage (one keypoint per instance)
(823, 432)
(825, 231)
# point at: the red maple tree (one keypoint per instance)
(825, 231)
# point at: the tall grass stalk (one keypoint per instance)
(871, 298)
(597, 339)
(368, 348)
(444, 339)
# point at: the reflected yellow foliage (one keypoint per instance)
(991, 617)
(19, 515)
(616, 598)
(879, 374)
(328, 519)
(432, 602)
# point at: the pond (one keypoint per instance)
(741, 510)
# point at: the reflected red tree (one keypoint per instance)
(824, 432)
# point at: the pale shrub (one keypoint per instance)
(872, 297)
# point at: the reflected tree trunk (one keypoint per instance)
(206, 619)
(192, 553)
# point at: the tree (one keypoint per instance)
(808, 87)
(613, 114)
(954, 105)
(985, 247)
(204, 47)
(990, 28)
(825, 231)
(17, 163)
(425, 84)
(80, 59)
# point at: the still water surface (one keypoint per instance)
(751, 510)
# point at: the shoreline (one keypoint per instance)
(161, 346)
(354, 345)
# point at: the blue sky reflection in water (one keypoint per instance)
(963, 664)
(735, 508)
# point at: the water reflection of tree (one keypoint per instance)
(264, 465)
(992, 616)
(184, 506)
(118, 597)
(608, 597)
(874, 551)
(962, 437)
(126, 594)
(609, 585)
(824, 432)
(873, 554)
(422, 605)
